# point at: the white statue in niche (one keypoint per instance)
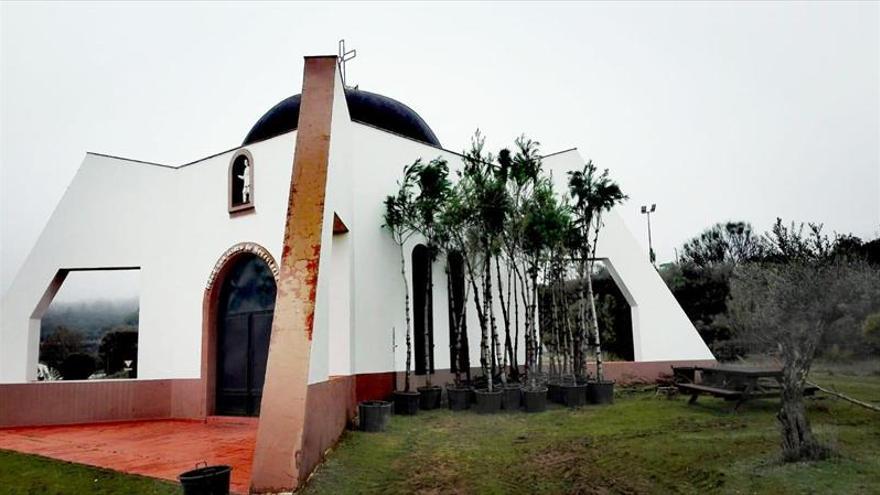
(246, 182)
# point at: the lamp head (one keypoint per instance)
(644, 209)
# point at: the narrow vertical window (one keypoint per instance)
(423, 321)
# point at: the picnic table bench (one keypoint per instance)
(731, 383)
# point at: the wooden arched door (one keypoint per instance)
(246, 307)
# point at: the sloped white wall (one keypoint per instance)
(661, 329)
(172, 223)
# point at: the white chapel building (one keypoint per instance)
(268, 285)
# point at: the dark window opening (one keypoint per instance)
(423, 313)
(89, 330)
(612, 310)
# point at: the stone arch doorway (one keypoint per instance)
(237, 324)
(244, 325)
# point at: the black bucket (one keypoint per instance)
(554, 393)
(208, 480)
(574, 395)
(535, 399)
(430, 397)
(406, 403)
(459, 398)
(488, 402)
(374, 415)
(601, 392)
(512, 397)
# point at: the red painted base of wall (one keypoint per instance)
(374, 386)
(60, 402)
(330, 407)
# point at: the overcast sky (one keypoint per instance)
(712, 111)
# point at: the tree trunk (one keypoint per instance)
(798, 442)
(505, 314)
(429, 323)
(455, 347)
(490, 310)
(408, 325)
(515, 323)
(600, 374)
(533, 324)
(481, 316)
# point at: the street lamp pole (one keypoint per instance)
(645, 211)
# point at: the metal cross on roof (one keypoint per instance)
(344, 56)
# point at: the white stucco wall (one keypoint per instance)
(378, 159)
(172, 223)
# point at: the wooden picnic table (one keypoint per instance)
(737, 383)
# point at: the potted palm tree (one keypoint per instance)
(593, 193)
(434, 189)
(545, 222)
(484, 198)
(397, 215)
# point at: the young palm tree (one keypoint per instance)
(434, 189)
(593, 194)
(399, 210)
(546, 219)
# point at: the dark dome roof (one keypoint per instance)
(363, 106)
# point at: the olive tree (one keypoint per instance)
(787, 307)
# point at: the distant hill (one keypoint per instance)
(90, 318)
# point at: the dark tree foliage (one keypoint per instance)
(731, 242)
(700, 280)
(60, 344)
(702, 291)
(77, 366)
(615, 317)
(117, 346)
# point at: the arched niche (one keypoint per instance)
(241, 182)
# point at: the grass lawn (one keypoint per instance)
(22, 474)
(641, 444)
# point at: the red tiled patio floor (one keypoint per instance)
(159, 449)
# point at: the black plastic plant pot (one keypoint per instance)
(554, 392)
(601, 392)
(512, 397)
(374, 415)
(406, 403)
(574, 395)
(459, 398)
(429, 397)
(535, 400)
(208, 480)
(488, 402)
